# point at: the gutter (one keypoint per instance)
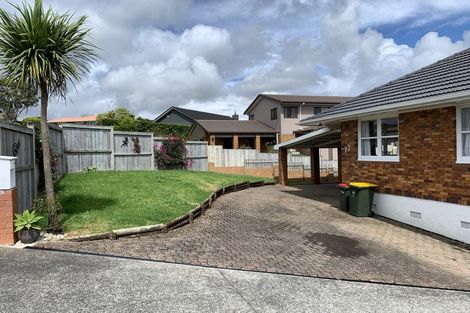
(415, 105)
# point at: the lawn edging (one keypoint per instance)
(182, 220)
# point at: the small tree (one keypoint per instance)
(15, 99)
(172, 154)
(120, 119)
(46, 51)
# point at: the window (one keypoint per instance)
(274, 114)
(290, 112)
(316, 110)
(251, 117)
(378, 139)
(463, 135)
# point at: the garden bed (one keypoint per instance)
(103, 201)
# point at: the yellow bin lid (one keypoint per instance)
(363, 185)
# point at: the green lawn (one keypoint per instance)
(103, 201)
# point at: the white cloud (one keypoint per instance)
(154, 86)
(351, 61)
(217, 55)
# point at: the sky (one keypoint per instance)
(217, 55)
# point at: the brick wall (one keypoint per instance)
(7, 210)
(270, 172)
(427, 166)
(285, 137)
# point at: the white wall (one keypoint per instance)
(7, 172)
(447, 219)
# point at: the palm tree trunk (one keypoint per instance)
(46, 153)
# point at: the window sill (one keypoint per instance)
(379, 159)
(464, 162)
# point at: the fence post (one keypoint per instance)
(152, 143)
(111, 134)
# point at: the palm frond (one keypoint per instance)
(38, 45)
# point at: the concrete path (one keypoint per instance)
(298, 230)
(46, 281)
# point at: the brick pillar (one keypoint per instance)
(283, 173)
(7, 212)
(212, 140)
(258, 143)
(315, 165)
(235, 141)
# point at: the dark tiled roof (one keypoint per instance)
(447, 76)
(235, 126)
(195, 115)
(296, 99)
(306, 99)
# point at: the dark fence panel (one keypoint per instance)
(19, 142)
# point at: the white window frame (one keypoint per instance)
(377, 158)
(460, 157)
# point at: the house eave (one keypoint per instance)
(413, 105)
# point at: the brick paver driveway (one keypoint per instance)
(295, 230)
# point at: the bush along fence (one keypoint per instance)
(182, 220)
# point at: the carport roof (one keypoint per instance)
(322, 138)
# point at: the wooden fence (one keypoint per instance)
(19, 142)
(105, 149)
(197, 153)
(87, 147)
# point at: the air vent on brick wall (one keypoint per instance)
(415, 214)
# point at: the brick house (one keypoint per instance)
(410, 136)
(78, 120)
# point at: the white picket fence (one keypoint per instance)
(221, 157)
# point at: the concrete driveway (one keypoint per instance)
(297, 230)
(46, 281)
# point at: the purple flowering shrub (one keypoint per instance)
(172, 154)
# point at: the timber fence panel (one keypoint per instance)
(19, 142)
(132, 151)
(87, 146)
(197, 155)
(57, 145)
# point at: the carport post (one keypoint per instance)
(315, 165)
(340, 177)
(283, 166)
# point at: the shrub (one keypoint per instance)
(87, 169)
(40, 206)
(27, 220)
(172, 154)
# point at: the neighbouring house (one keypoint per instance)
(411, 137)
(79, 120)
(234, 134)
(186, 117)
(284, 112)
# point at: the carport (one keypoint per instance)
(322, 138)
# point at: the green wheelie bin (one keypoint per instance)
(345, 193)
(360, 201)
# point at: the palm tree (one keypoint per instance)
(47, 51)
